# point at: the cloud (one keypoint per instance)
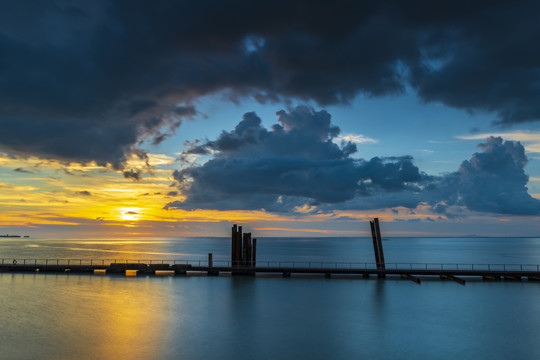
(493, 180)
(297, 167)
(531, 139)
(281, 168)
(132, 174)
(83, 193)
(261, 165)
(357, 139)
(21, 170)
(87, 81)
(59, 201)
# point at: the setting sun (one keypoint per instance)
(130, 213)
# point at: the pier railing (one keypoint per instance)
(280, 264)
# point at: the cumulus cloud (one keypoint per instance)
(493, 180)
(281, 168)
(297, 165)
(87, 81)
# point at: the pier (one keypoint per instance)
(244, 262)
(416, 272)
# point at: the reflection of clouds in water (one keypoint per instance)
(31, 245)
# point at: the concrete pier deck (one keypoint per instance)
(411, 271)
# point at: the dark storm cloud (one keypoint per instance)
(87, 80)
(296, 163)
(69, 140)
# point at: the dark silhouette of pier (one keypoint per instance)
(244, 262)
(411, 271)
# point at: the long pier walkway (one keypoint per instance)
(411, 271)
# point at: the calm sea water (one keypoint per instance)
(57, 316)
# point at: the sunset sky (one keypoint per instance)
(292, 118)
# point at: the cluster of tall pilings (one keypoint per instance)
(377, 245)
(243, 249)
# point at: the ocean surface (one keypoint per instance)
(71, 316)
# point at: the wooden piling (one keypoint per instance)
(240, 249)
(249, 250)
(233, 244)
(254, 260)
(375, 245)
(379, 242)
(245, 250)
(236, 260)
(381, 264)
(210, 260)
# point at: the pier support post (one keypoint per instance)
(233, 244)
(379, 242)
(236, 246)
(210, 260)
(254, 260)
(249, 253)
(243, 248)
(239, 252)
(377, 246)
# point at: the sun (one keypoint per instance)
(130, 213)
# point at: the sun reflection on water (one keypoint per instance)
(85, 317)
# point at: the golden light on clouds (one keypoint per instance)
(130, 213)
(530, 139)
(44, 198)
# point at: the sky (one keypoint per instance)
(291, 118)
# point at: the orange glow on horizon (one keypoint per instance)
(50, 198)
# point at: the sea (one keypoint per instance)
(86, 316)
